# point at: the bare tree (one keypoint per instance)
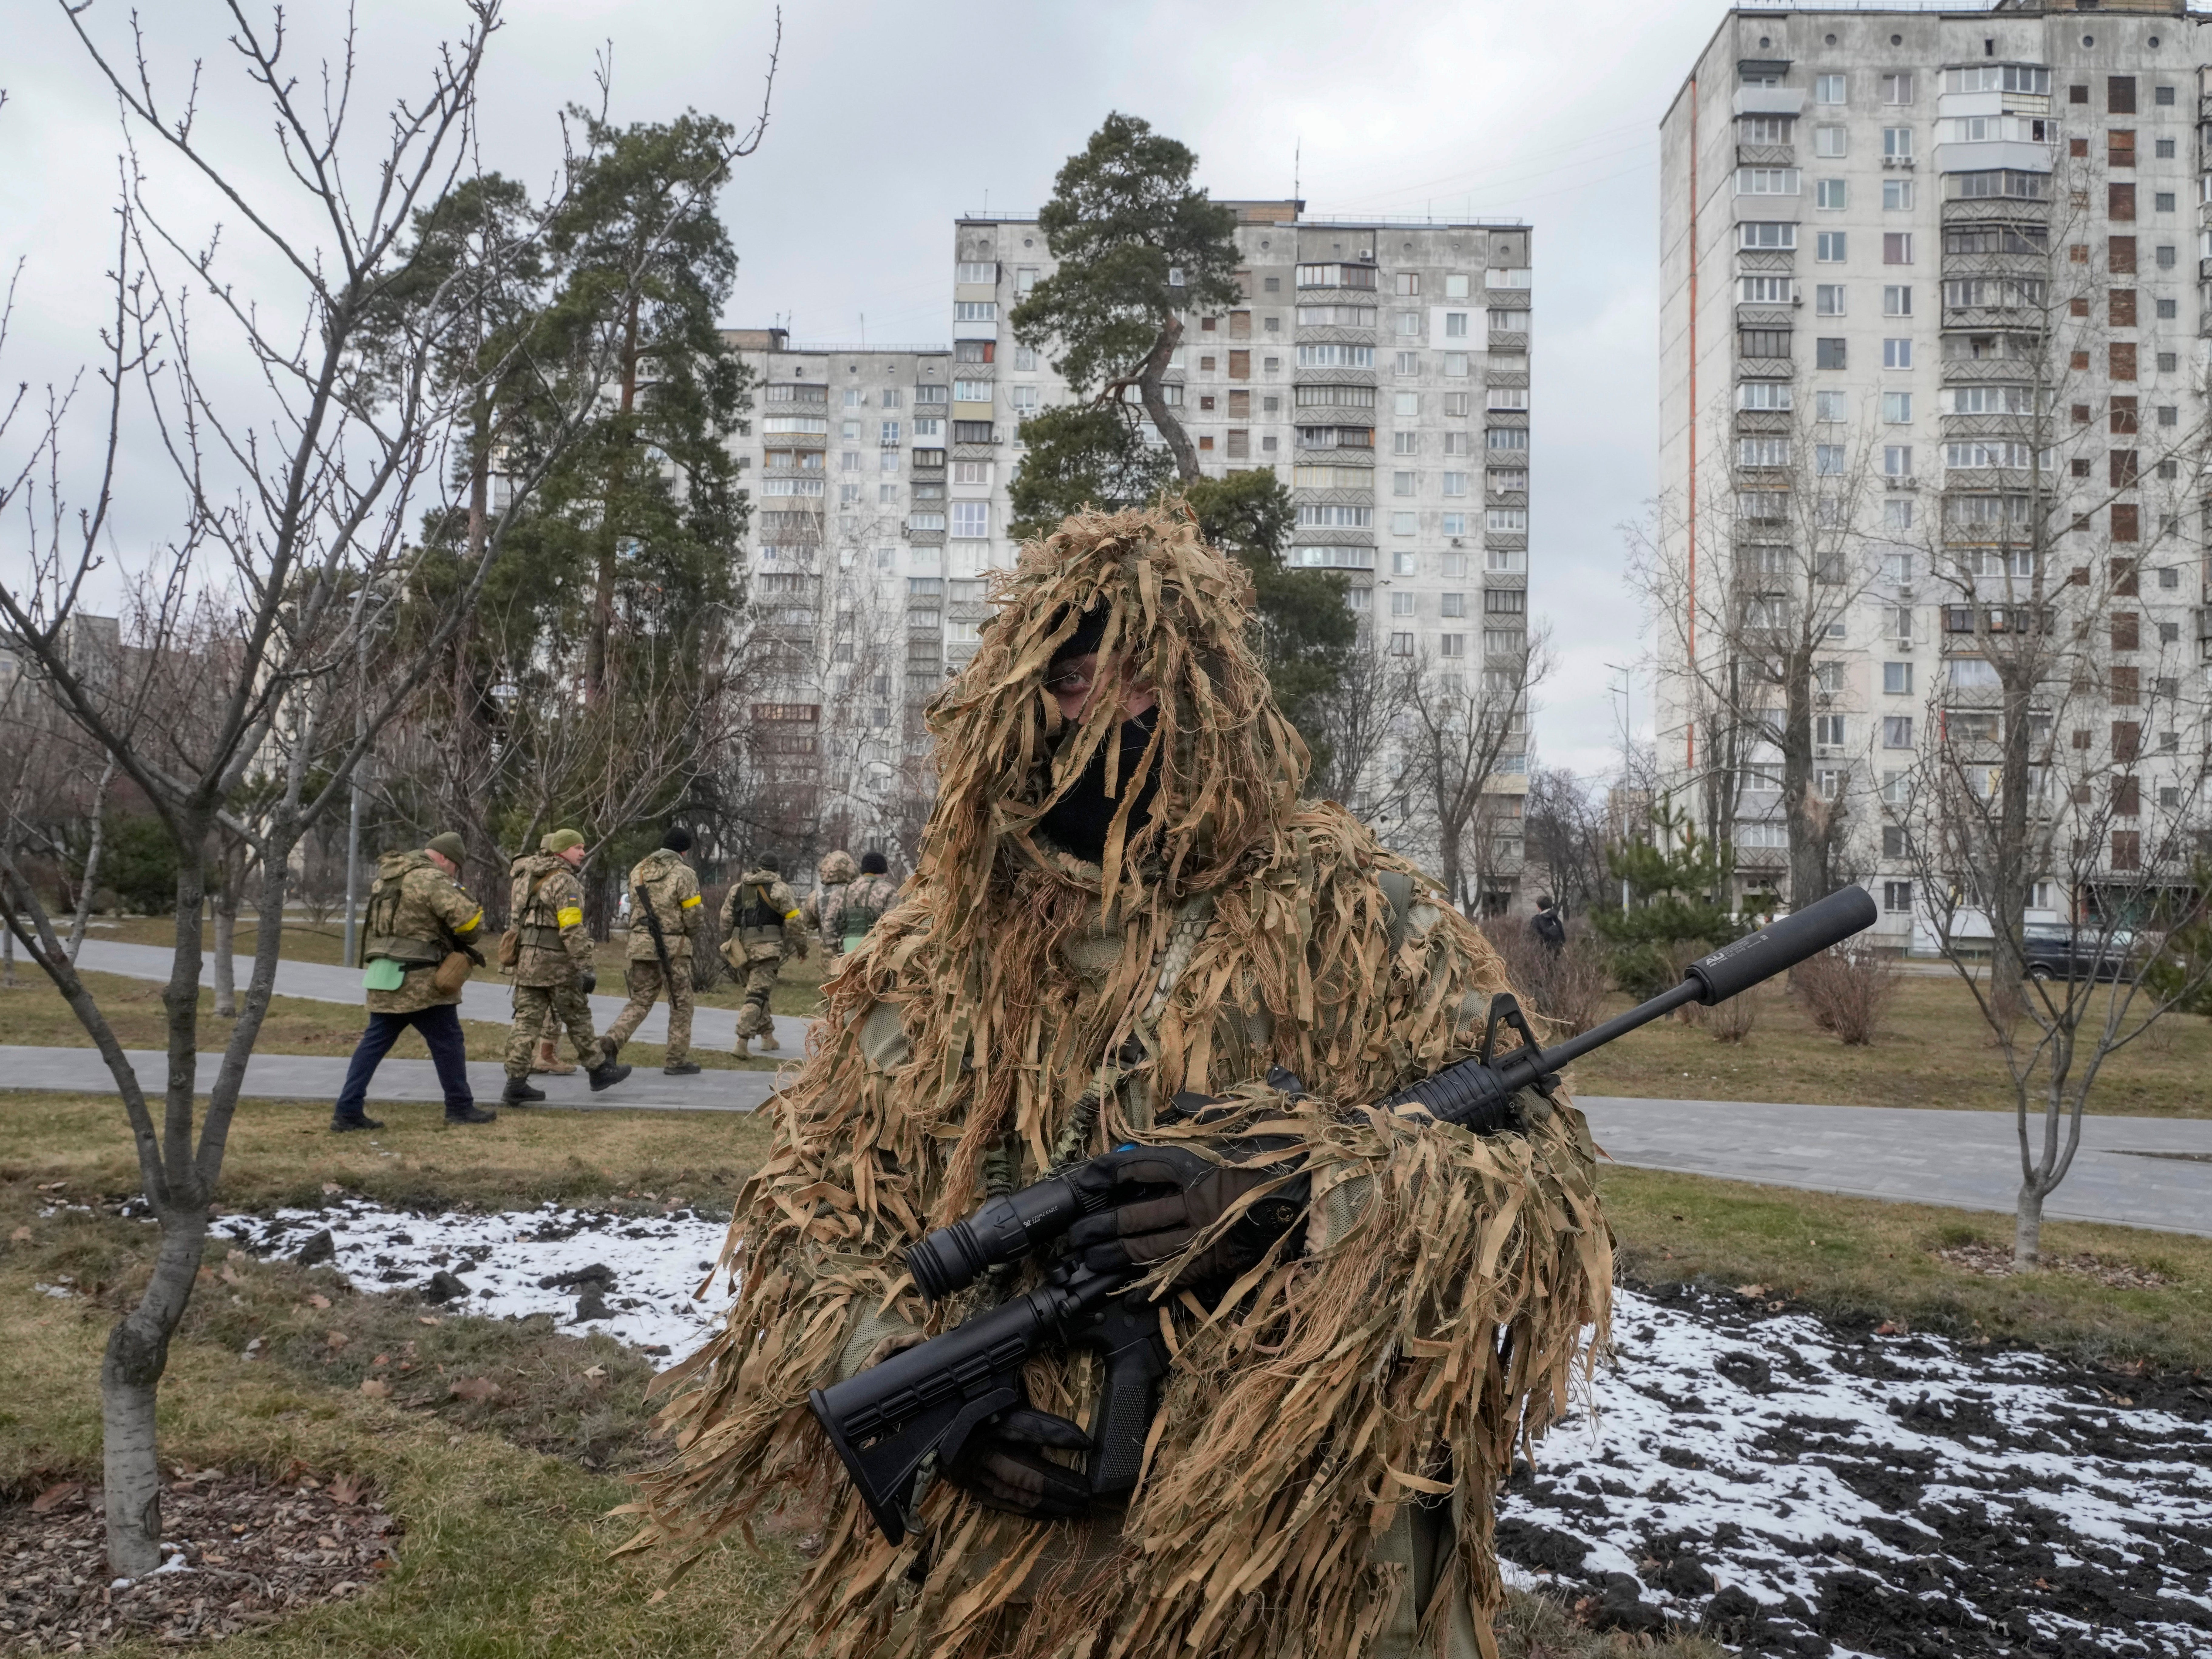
(1359, 714)
(298, 490)
(1457, 727)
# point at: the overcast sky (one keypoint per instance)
(890, 120)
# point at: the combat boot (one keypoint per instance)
(547, 1061)
(605, 1075)
(519, 1092)
(471, 1114)
(768, 1042)
(681, 1068)
(741, 1051)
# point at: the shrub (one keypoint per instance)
(1731, 1021)
(1567, 987)
(1847, 989)
(139, 863)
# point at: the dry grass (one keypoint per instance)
(1932, 1050)
(1920, 1266)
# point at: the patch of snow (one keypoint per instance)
(1888, 1492)
(657, 1262)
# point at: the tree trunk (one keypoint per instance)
(130, 1375)
(90, 884)
(1156, 404)
(1807, 835)
(225, 930)
(603, 592)
(2027, 1230)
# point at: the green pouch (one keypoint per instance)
(384, 974)
(852, 942)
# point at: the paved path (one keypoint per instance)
(487, 997)
(317, 1078)
(2135, 1171)
(1969, 1160)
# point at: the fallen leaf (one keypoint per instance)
(425, 1319)
(20, 1235)
(319, 1301)
(1886, 1328)
(325, 1542)
(596, 1374)
(1751, 1290)
(337, 1339)
(475, 1388)
(330, 1189)
(375, 1389)
(53, 1496)
(230, 1273)
(346, 1489)
(381, 1359)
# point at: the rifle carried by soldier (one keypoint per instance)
(915, 1411)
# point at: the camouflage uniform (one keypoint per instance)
(416, 915)
(761, 925)
(833, 876)
(866, 902)
(548, 906)
(666, 884)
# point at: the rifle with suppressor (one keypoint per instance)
(890, 1421)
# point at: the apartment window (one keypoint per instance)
(1896, 460)
(2120, 94)
(1451, 645)
(1896, 679)
(2120, 202)
(1409, 281)
(2162, 96)
(1409, 362)
(1509, 397)
(1828, 730)
(1455, 325)
(2120, 254)
(1896, 354)
(1828, 299)
(1763, 342)
(1897, 731)
(1506, 520)
(2161, 201)
(888, 434)
(887, 460)
(971, 520)
(1357, 599)
(1827, 460)
(1404, 605)
(1025, 278)
(1828, 354)
(1897, 896)
(1897, 88)
(1457, 405)
(1504, 601)
(971, 392)
(1505, 437)
(1456, 365)
(1454, 484)
(1896, 143)
(1406, 443)
(2164, 146)
(886, 494)
(2168, 361)
(1829, 408)
(971, 472)
(1402, 645)
(1763, 394)
(1830, 194)
(1454, 524)
(970, 272)
(1273, 285)
(975, 310)
(849, 461)
(1897, 408)
(1763, 129)
(1897, 247)
(1828, 143)
(1404, 484)
(1766, 181)
(1828, 89)
(1405, 564)
(2166, 311)
(1766, 234)
(1763, 451)
(1828, 247)
(1897, 299)
(1459, 443)
(1896, 195)
(1409, 323)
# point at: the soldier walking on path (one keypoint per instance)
(552, 960)
(417, 947)
(866, 901)
(761, 925)
(832, 877)
(664, 910)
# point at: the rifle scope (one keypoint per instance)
(1005, 1229)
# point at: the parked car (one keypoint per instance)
(2062, 952)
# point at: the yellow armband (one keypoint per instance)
(688, 903)
(789, 915)
(469, 925)
(571, 916)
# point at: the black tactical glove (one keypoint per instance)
(588, 980)
(1003, 1466)
(1163, 1197)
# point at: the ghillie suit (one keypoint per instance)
(1329, 1440)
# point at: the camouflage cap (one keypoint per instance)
(559, 841)
(446, 846)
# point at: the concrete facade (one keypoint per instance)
(1871, 221)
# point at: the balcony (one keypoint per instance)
(1768, 100)
(1996, 209)
(1766, 155)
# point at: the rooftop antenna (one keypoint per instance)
(1297, 156)
(864, 330)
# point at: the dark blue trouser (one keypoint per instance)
(441, 1028)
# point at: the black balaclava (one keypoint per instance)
(1078, 820)
(677, 840)
(874, 864)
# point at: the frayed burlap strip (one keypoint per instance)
(1435, 1312)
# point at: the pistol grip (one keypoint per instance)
(1136, 1360)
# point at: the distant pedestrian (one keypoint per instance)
(552, 964)
(1546, 926)
(866, 901)
(664, 911)
(418, 945)
(761, 925)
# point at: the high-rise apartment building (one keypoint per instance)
(1929, 338)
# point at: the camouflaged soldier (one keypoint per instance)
(552, 965)
(664, 896)
(867, 901)
(762, 924)
(827, 902)
(417, 946)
